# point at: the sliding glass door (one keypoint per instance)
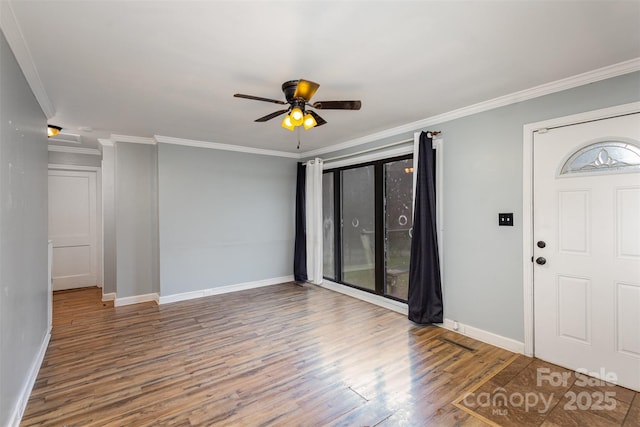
(368, 218)
(358, 227)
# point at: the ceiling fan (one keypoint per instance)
(298, 94)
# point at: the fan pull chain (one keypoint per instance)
(298, 129)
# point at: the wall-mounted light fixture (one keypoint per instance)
(53, 130)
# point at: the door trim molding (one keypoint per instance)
(54, 166)
(527, 201)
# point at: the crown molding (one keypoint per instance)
(593, 76)
(224, 147)
(132, 139)
(193, 143)
(106, 142)
(74, 150)
(15, 38)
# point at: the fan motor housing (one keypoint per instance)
(289, 88)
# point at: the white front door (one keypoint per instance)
(73, 228)
(587, 247)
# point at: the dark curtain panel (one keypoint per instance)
(300, 247)
(425, 290)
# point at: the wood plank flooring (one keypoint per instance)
(278, 355)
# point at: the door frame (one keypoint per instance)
(527, 201)
(99, 229)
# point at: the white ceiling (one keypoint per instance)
(170, 68)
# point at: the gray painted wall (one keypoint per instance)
(225, 217)
(23, 231)
(483, 176)
(136, 219)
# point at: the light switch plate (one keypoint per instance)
(505, 219)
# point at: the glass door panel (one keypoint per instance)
(328, 224)
(398, 196)
(358, 227)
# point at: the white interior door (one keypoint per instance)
(72, 228)
(587, 247)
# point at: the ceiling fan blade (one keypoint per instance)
(337, 105)
(305, 89)
(271, 116)
(319, 120)
(259, 98)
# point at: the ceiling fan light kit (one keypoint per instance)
(298, 93)
(296, 116)
(309, 121)
(287, 124)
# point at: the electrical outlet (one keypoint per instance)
(505, 219)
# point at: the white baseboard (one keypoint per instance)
(136, 299)
(397, 306)
(485, 336)
(109, 297)
(21, 404)
(402, 308)
(166, 299)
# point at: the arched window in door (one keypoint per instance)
(604, 156)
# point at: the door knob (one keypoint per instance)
(541, 261)
(541, 244)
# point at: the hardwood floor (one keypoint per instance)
(278, 355)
